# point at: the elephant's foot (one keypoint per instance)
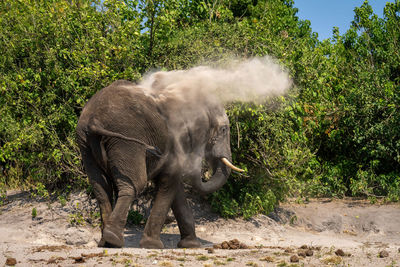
(104, 244)
(148, 242)
(189, 242)
(101, 243)
(111, 239)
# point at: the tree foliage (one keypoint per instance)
(336, 133)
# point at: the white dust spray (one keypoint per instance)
(249, 80)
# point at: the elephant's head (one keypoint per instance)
(199, 128)
(206, 138)
(217, 153)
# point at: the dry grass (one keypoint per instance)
(332, 260)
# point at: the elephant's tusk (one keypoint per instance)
(230, 165)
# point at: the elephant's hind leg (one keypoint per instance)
(128, 170)
(101, 187)
(184, 217)
(113, 232)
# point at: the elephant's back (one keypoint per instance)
(123, 107)
(117, 98)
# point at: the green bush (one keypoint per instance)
(359, 130)
(336, 134)
(55, 55)
(134, 217)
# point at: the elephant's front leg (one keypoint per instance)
(165, 195)
(184, 217)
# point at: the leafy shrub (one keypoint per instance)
(337, 134)
(134, 217)
(55, 56)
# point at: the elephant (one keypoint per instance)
(128, 137)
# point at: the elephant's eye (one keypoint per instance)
(224, 129)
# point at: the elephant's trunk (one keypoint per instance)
(219, 178)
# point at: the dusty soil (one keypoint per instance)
(322, 232)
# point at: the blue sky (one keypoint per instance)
(326, 14)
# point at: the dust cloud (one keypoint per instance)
(250, 80)
(187, 97)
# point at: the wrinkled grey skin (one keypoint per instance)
(127, 138)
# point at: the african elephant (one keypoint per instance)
(127, 137)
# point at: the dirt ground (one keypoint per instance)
(322, 232)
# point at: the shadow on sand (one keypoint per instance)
(170, 241)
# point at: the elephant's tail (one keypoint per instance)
(96, 129)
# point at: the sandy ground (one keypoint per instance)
(321, 232)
